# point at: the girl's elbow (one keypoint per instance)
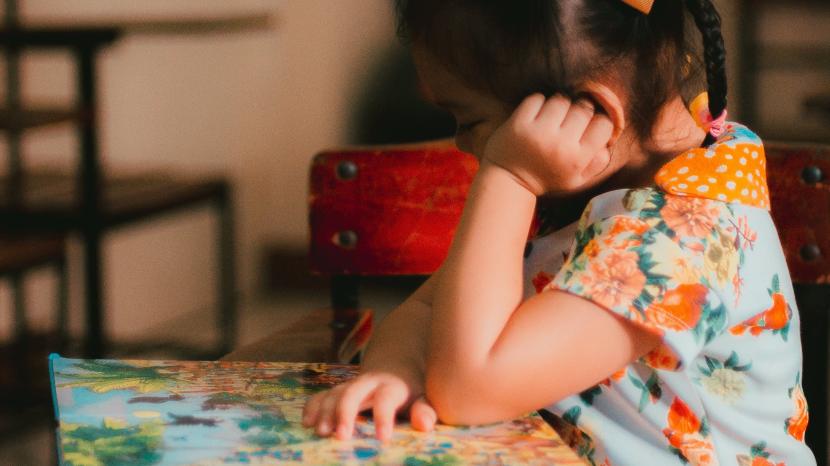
(455, 402)
(450, 408)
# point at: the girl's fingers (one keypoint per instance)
(596, 143)
(311, 410)
(422, 415)
(579, 116)
(598, 163)
(387, 400)
(553, 112)
(325, 421)
(528, 110)
(599, 132)
(355, 398)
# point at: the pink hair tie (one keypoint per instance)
(700, 111)
(718, 125)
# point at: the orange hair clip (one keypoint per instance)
(643, 6)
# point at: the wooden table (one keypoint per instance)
(218, 413)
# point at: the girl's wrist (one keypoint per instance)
(407, 371)
(490, 169)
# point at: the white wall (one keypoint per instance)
(254, 105)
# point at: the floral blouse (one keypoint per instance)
(696, 260)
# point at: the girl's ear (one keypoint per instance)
(610, 102)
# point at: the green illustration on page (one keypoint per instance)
(130, 412)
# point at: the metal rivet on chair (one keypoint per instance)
(346, 170)
(346, 239)
(810, 252)
(812, 174)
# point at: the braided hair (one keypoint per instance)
(708, 22)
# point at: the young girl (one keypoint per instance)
(660, 328)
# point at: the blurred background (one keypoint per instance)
(208, 115)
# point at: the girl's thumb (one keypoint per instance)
(422, 415)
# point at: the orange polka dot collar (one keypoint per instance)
(732, 169)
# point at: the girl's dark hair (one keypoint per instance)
(514, 48)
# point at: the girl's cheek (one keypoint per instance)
(464, 142)
(476, 140)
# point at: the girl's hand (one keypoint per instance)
(552, 144)
(334, 411)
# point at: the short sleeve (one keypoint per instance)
(640, 273)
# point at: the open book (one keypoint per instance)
(130, 412)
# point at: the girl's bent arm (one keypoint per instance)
(492, 357)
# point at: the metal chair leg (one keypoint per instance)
(227, 318)
(95, 338)
(91, 204)
(19, 306)
(345, 305)
(21, 337)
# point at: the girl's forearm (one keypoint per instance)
(482, 275)
(400, 342)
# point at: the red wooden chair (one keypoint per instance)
(393, 211)
(382, 212)
(374, 212)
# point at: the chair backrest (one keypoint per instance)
(392, 211)
(386, 211)
(381, 211)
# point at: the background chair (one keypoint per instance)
(92, 200)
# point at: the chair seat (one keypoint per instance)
(51, 200)
(19, 254)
